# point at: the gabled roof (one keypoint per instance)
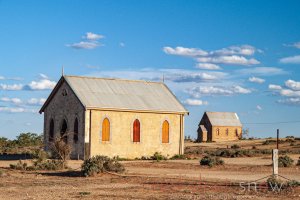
(119, 94)
(223, 119)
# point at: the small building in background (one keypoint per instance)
(219, 126)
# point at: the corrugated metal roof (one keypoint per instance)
(223, 119)
(122, 94)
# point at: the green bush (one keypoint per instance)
(99, 164)
(235, 146)
(298, 163)
(158, 156)
(211, 161)
(29, 139)
(285, 161)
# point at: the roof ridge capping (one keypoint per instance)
(219, 112)
(117, 79)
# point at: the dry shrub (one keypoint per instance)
(285, 161)
(235, 146)
(60, 149)
(298, 163)
(47, 165)
(211, 161)
(158, 157)
(99, 164)
(19, 166)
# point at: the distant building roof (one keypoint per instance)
(119, 94)
(203, 129)
(223, 119)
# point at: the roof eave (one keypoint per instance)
(135, 110)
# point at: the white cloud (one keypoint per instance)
(294, 85)
(289, 93)
(12, 78)
(35, 101)
(290, 60)
(194, 102)
(296, 45)
(235, 55)
(240, 90)
(12, 110)
(199, 91)
(84, 45)
(90, 42)
(258, 107)
(275, 87)
(44, 84)
(256, 80)
(182, 51)
(122, 44)
(92, 36)
(11, 87)
(11, 100)
(262, 71)
(290, 101)
(246, 50)
(43, 76)
(208, 66)
(231, 59)
(191, 77)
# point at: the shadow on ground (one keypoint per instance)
(15, 156)
(70, 173)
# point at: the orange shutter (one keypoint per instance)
(165, 132)
(136, 131)
(105, 130)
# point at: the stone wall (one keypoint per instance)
(223, 136)
(121, 126)
(65, 105)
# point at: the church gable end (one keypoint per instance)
(64, 114)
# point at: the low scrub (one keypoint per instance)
(179, 157)
(158, 157)
(100, 164)
(40, 162)
(19, 166)
(48, 165)
(298, 163)
(211, 161)
(285, 161)
(235, 146)
(274, 182)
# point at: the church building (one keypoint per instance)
(219, 126)
(114, 117)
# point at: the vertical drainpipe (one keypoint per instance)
(90, 134)
(181, 139)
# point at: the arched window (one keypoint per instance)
(76, 130)
(236, 132)
(218, 131)
(51, 131)
(63, 131)
(227, 131)
(165, 132)
(105, 130)
(136, 131)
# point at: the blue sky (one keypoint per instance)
(237, 56)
